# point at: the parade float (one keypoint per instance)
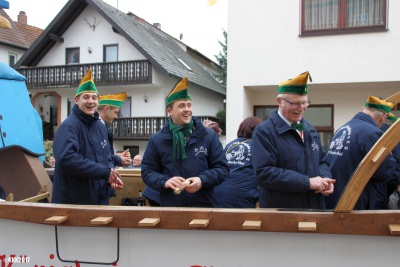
(45, 234)
(54, 235)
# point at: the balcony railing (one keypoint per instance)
(141, 128)
(105, 73)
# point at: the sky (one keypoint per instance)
(201, 24)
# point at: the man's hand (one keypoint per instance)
(174, 182)
(115, 181)
(322, 185)
(125, 161)
(195, 185)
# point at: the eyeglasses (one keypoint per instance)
(298, 104)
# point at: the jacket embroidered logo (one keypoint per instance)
(315, 146)
(200, 150)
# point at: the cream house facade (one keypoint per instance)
(269, 44)
(126, 54)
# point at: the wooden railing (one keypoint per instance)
(104, 73)
(142, 127)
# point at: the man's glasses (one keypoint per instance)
(298, 104)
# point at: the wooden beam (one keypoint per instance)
(251, 225)
(307, 226)
(10, 197)
(101, 220)
(367, 168)
(394, 229)
(149, 222)
(36, 198)
(372, 223)
(56, 38)
(56, 219)
(199, 223)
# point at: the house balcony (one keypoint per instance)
(141, 128)
(104, 73)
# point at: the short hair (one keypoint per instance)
(101, 107)
(212, 125)
(247, 127)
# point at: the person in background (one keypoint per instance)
(137, 162)
(108, 109)
(288, 159)
(350, 144)
(84, 170)
(213, 125)
(184, 151)
(239, 190)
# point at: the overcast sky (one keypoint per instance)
(201, 24)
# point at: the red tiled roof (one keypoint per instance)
(20, 34)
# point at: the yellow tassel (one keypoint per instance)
(211, 2)
(4, 23)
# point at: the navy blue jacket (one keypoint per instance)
(205, 159)
(83, 158)
(151, 194)
(239, 190)
(350, 144)
(284, 164)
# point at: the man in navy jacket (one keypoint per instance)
(184, 151)
(350, 144)
(84, 170)
(288, 159)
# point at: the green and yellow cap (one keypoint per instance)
(392, 117)
(180, 92)
(297, 85)
(378, 104)
(87, 84)
(115, 100)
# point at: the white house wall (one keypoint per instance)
(79, 34)
(265, 49)
(6, 50)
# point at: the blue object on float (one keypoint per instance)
(4, 4)
(20, 123)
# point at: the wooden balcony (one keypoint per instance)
(141, 128)
(104, 73)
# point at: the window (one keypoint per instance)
(125, 110)
(72, 56)
(320, 116)
(71, 103)
(342, 16)
(110, 53)
(12, 59)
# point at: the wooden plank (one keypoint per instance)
(366, 222)
(251, 225)
(56, 219)
(101, 220)
(395, 98)
(199, 223)
(149, 222)
(36, 198)
(10, 197)
(307, 226)
(394, 229)
(367, 168)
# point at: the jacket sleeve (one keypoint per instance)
(73, 163)
(152, 169)
(218, 165)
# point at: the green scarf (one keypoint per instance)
(298, 126)
(179, 133)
